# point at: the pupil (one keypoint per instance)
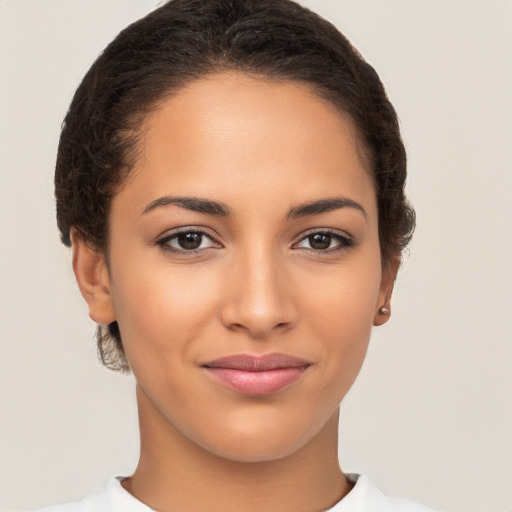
(320, 241)
(189, 240)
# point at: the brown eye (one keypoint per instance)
(326, 241)
(187, 242)
(320, 240)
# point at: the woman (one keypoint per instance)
(230, 178)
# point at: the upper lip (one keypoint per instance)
(262, 363)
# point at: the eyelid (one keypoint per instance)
(345, 240)
(171, 234)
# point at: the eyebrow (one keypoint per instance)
(323, 206)
(217, 208)
(195, 204)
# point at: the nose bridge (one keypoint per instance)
(260, 298)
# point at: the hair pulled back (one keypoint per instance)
(181, 41)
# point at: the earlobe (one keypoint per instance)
(383, 307)
(93, 279)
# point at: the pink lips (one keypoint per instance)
(256, 375)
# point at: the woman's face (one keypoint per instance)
(247, 265)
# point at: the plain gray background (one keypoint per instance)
(430, 417)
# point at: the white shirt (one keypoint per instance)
(364, 497)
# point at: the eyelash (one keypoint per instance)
(345, 241)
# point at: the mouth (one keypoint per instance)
(256, 375)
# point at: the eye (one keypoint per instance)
(326, 241)
(187, 241)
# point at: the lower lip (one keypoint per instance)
(256, 383)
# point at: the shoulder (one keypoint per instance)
(366, 497)
(111, 498)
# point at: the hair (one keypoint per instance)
(182, 41)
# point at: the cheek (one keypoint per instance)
(161, 309)
(342, 309)
(344, 300)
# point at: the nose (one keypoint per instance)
(259, 298)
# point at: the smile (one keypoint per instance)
(256, 376)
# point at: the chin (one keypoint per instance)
(255, 450)
(265, 442)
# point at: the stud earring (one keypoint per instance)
(384, 311)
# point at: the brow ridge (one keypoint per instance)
(212, 207)
(195, 204)
(323, 206)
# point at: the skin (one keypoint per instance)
(256, 286)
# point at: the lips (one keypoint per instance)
(256, 375)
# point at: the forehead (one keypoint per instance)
(235, 132)
(234, 99)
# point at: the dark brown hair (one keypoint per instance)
(181, 41)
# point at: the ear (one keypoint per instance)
(383, 307)
(92, 276)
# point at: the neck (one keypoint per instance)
(174, 473)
